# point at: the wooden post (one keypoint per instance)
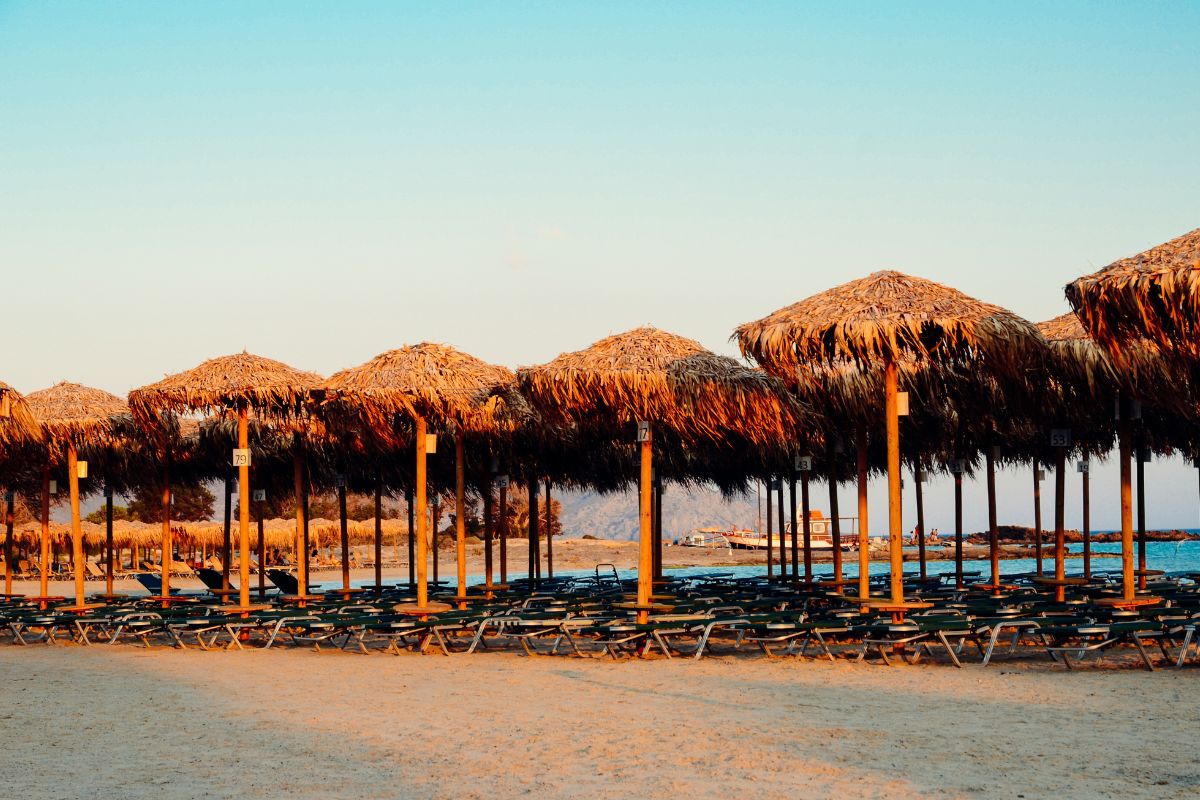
(301, 514)
(8, 538)
(412, 538)
(460, 513)
(783, 542)
(306, 546)
(770, 533)
(535, 567)
(488, 508)
(958, 529)
(864, 542)
(645, 543)
(1060, 534)
(243, 514)
(658, 540)
(44, 590)
(895, 518)
(796, 527)
(108, 540)
(1141, 515)
(993, 531)
(378, 532)
(1124, 448)
(835, 522)
(167, 549)
(262, 554)
(502, 521)
(226, 546)
(1037, 519)
(918, 479)
(1087, 524)
(76, 529)
(806, 526)
(435, 513)
(550, 536)
(345, 535)
(422, 523)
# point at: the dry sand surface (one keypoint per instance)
(125, 722)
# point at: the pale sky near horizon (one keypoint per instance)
(319, 182)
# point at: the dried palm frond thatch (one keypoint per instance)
(16, 421)
(429, 380)
(71, 413)
(886, 316)
(649, 374)
(1153, 295)
(271, 387)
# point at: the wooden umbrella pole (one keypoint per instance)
(806, 523)
(770, 534)
(645, 551)
(108, 540)
(835, 522)
(76, 530)
(1060, 534)
(864, 542)
(412, 539)
(1037, 520)
(301, 511)
(1087, 525)
(378, 531)
(656, 493)
(262, 554)
(918, 479)
(488, 530)
(895, 519)
(550, 538)
(796, 527)
(305, 548)
(167, 554)
(783, 543)
(1124, 448)
(422, 523)
(345, 536)
(1141, 515)
(226, 545)
(502, 521)
(45, 566)
(958, 530)
(460, 513)
(8, 537)
(243, 514)
(993, 531)
(435, 516)
(535, 567)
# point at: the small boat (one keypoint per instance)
(706, 537)
(820, 536)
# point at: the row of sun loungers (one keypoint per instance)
(707, 615)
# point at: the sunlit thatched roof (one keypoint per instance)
(69, 412)
(16, 421)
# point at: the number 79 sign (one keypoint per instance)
(241, 457)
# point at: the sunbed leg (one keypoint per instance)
(1137, 641)
(949, 649)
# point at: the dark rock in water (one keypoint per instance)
(1018, 534)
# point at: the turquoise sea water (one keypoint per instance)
(1173, 557)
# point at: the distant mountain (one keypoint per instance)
(615, 516)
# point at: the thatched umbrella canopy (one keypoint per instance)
(16, 421)
(888, 317)
(426, 383)
(72, 417)
(236, 382)
(654, 378)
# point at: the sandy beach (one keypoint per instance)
(163, 724)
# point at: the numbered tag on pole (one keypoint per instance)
(8, 497)
(53, 487)
(804, 463)
(81, 469)
(1060, 437)
(502, 481)
(430, 444)
(259, 495)
(241, 456)
(1084, 467)
(901, 404)
(339, 481)
(1144, 455)
(776, 485)
(643, 432)
(955, 465)
(1041, 475)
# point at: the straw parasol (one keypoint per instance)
(658, 379)
(17, 422)
(237, 382)
(72, 417)
(426, 383)
(889, 317)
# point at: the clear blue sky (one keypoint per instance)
(320, 182)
